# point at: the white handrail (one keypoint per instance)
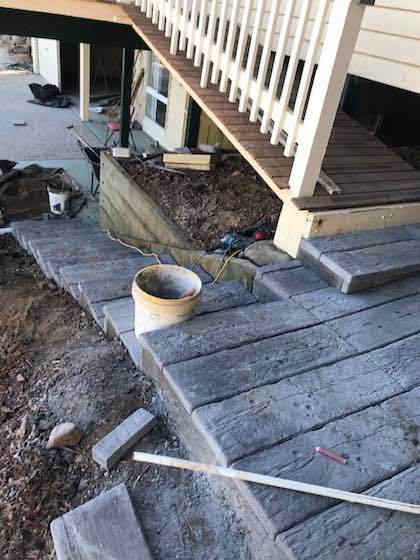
(284, 42)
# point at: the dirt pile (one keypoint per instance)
(56, 366)
(206, 205)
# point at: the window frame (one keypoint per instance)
(154, 93)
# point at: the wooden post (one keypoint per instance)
(126, 79)
(343, 30)
(84, 81)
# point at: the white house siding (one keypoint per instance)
(49, 60)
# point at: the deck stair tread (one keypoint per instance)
(265, 383)
(362, 260)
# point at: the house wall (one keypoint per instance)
(172, 135)
(49, 60)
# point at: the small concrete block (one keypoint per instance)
(287, 283)
(113, 446)
(226, 295)
(119, 316)
(105, 527)
(105, 290)
(262, 270)
(202, 274)
(133, 346)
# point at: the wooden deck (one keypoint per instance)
(364, 169)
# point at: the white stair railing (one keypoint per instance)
(265, 53)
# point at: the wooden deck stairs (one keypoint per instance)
(358, 171)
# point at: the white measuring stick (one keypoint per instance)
(284, 483)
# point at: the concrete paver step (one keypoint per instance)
(362, 260)
(346, 531)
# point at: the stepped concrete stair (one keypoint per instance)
(357, 261)
(265, 387)
(259, 384)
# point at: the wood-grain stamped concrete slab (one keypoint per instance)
(378, 442)
(105, 527)
(214, 332)
(347, 531)
(265, 416)
(230, 372)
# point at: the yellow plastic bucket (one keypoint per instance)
(157, 292)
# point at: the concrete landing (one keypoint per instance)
(260, 384)
(357, 261)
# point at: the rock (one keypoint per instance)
(64, 435)
(265, 252)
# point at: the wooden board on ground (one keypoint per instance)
(105, 527)
(199, 162)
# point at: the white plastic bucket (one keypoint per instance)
(59, 200)
(156, 292)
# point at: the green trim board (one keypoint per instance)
(66, 28)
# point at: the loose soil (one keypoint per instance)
(56, 366)
(25, 194)
(206, 205)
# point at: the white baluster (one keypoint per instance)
(243, 36)
(265, 59)
(175, 27)
(209, 43)
(286, 91)
(161, 20)
(252, 55)
(155, 11)
(143, 5)
(149, 8)
(200, 32)
(343, 30)
(306, 78)
(169, 16)
(193, 29)
(183, 26)
(278, 63)
(221, 31)
(230, 43)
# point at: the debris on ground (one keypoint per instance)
(331, 455)
(56, 365)
(24, 192)
(65, 434)
(207, 204)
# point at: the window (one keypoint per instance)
(157, 92)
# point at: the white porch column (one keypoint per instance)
(35, 55)
(343, 30)
(84, 81)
